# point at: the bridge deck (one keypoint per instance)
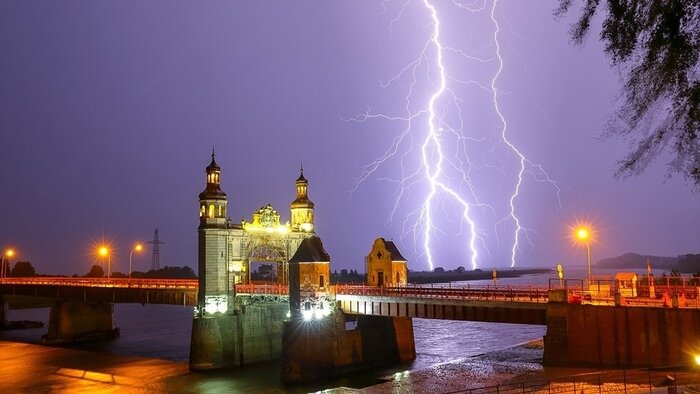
(525, 305)
(117, 290)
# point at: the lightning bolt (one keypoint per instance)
(523, 162)
(437, 128)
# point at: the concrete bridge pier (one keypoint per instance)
(619, 336)
(4, 308)
(74, 321)
(318, 349)
(249, 335)
(214, 343)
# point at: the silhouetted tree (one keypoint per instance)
(171, 272)
(689, 263)
(656, 44)
(22, 269)
(96, 272)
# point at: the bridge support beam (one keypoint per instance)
(619, 336)
(72, 321)
(4, 308)
(319, 349)
(249, 336)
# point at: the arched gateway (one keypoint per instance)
(258, 250)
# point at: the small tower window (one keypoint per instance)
(203, 211)
(321, 282)
(211, 211)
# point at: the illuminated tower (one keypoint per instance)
(302, 208)
(213, 275)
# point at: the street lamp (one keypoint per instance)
(6, 261)
(584, 235)
(137, 248)
(104, 252)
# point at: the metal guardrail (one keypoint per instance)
(137, 283)
(604, 291)
(261, 289)
(466, 292)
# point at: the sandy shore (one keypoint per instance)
(520, 362)
(519, 369)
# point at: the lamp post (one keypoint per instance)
(104, 252)
(584, 235)
(5, 261)
(136, 248)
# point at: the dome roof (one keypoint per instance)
(213, 166)
(212, 192)
(301, 177)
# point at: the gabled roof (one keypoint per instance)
(310, 251)
(394, 251)
(625, 276)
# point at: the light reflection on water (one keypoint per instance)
(162, 332)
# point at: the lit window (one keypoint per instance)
(211, 211)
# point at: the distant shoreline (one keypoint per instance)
(424, 277)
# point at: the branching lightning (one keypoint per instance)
(434, 125)
(522, 160)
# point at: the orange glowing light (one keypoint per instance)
(9, 253)
(103, 251)
(582, 233)
(138, 247)
(697, 359)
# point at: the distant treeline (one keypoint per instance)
(689, 263)
(347, 277)
(166, 272)
(685, 263)
(23, 269)
(439, 275)
(442, 276)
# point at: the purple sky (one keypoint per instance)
(109, 111)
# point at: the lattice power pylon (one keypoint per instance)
(155, 257)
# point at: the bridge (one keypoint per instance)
(582, 329)
(81, 308)
(111, 290)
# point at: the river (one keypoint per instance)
(158, 336)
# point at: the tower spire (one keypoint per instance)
(302, 208)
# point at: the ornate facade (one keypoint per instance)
(227, 249)
(385, 265)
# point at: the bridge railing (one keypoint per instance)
(139, 283)
(603, 291)
(465, 292)
(261, 289)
